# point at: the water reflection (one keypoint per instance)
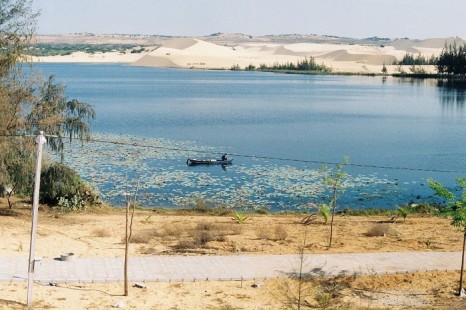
(452, 94)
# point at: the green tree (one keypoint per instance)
(452, 60)
(29, 103)
(17, 25)
(334, 179)
(456, 209)
(384, 69)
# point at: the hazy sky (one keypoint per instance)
(417, 19)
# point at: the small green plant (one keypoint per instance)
(403, 211)
(428, 243)
(322, 298)
(334, 180)
(324, 210)
(240, 218)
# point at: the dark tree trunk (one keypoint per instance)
(462, 265)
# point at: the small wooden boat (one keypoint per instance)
(193, 162)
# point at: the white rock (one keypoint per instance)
(119, 304)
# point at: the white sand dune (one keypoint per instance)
(186, 52)
(195, 53)
(180, 43)
(371, 59)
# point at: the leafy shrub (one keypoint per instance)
(61, 185)
(323, 299)
(424, 208)
(200, 205)
(261, 211)
(73, 204)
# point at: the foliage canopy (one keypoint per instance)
(452, 60)
(456, 210)
(30, 103)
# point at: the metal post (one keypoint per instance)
(40, 140)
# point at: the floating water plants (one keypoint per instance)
(111, 162)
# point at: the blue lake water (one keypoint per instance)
(278, 128)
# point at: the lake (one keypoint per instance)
(279, 129)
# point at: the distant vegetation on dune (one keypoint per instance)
(305, 65)
(63, 49)
(451, 62)
(410, 59)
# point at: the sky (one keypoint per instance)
(415, 19)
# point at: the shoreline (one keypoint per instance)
(435, 76)
(225, 52)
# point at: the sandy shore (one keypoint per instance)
(100, 234)
(215, 53)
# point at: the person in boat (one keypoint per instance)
(224, 157)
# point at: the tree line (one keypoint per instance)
(451, 61)
(419, 60)
(307, 64)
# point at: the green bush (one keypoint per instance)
(61, 185)
(73, 204)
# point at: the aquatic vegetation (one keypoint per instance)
(109, 161)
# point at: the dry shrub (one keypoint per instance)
(144, 236)
(172, 231)
(227, 229)
(101, 232)
(147, 250)
(8, 212)
(221, 237)
(381, 230)
(275, 234)
(184, 245)
(205, 232)
(280, 233)
(206, 226)
(202, 237)
(236, 230)
(263, 233)
(140, 238)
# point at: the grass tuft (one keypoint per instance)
(101, 232)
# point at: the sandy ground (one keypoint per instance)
(100, 234)
(225, 52)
